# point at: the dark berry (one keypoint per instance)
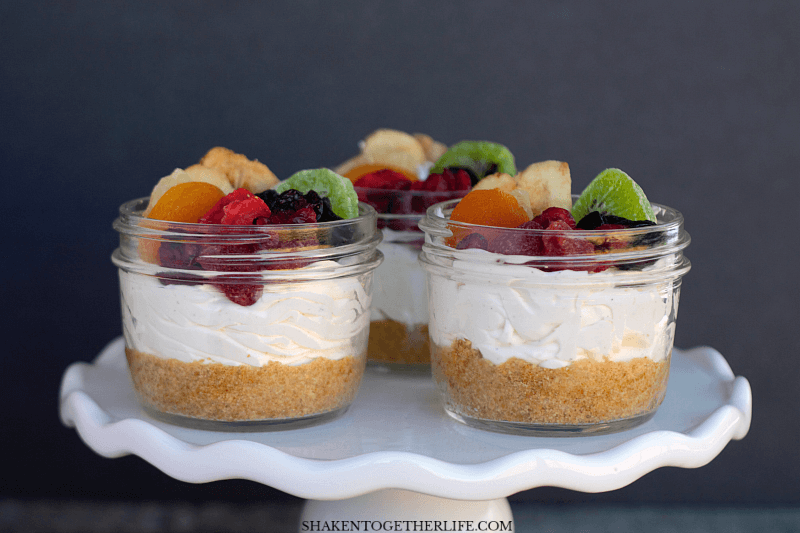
(473, 240)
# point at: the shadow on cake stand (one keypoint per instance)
(396, 455)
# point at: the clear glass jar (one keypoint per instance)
(398, 335)
(245, 327)
(553, 345)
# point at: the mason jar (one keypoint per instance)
(540, 344)
(245, 327)
(398, 335)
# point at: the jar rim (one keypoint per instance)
(667, 237)
(351, 243)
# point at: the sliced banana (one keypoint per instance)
(504, 182)
(396, 149)
(548, 184)
(207, 175)
(241, 172)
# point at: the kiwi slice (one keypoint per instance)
(613, 192)
(479, 158)
(328, 184)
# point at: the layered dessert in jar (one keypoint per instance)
(401, 175)
(245, 300)
(550, 317)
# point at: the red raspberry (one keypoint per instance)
(384, 179)
(552, 214)
(561, 245)
(519, 242)
(245, 212)
(241, 293)
(215, 214)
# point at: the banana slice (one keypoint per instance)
(241, 172)
(504, 182)
(548, 184)
(388, 147)
(433, 149)
(207, 175)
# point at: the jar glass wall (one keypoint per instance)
(245, 327)
(553, 345)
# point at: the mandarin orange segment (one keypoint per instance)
(486, 207)
(489, 207)
(368, 168)
(186, 202)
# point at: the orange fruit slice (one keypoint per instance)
(486, 207)
(185, 202)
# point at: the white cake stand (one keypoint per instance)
(396, 455)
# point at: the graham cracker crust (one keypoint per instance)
(394, 342)
(584, 392)
(214, 391)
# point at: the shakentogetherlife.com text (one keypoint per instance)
(406, 525)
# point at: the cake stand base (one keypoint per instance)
(390, 506)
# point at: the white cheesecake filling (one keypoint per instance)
(291, 323)
(399, 291)
(510, 311)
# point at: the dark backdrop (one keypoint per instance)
(698, 102)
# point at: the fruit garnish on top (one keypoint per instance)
(404, 153)
(478, 158)
(539, 198)
(235, 191)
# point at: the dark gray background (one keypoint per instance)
(696, 101)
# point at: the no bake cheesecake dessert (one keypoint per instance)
(548, 316)
(392, 173)
(245, 300)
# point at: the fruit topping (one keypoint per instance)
(339, 190)
(395, 150)
(473, 240)
(479, 158)
(192, 174)
(491, 207)
(596, 220)
(613, 192)
(186, 202)
(360, 171)
(293, 207)
(240, 171)
(553, 214)
(241, 207)
(384, 178)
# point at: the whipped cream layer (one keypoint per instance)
(292, 323)
(510, 311)
(399, 291)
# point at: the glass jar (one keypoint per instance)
(245, 327)
(398, 335)
(552, 345)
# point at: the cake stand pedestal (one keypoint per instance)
(396, 455)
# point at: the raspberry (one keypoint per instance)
(448, 181)
(244, 212)
(560, 245)
(384, 179)
(552, 214)
(215, 214)
(518, 242)
(240, 293)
